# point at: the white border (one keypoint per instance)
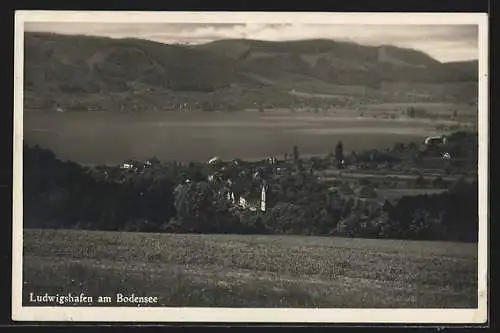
(289, 315)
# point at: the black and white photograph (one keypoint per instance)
(253, 167)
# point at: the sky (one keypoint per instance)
(443, 42)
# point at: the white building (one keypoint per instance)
(435, 140)
(243, 202)
(214, 160)
(126, 166)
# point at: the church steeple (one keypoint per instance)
(263, 198)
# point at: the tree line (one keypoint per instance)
(63, 194)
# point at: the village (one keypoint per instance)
(371, 177)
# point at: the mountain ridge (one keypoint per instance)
(101, 72)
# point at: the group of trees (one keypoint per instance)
(65, 194)
(451, 216)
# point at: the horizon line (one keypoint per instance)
(188, 44)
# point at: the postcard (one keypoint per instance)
(256, 167)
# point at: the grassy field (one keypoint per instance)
(329, 176)
(251, 271)
(435, 108)
(396, 193)
(199, 136)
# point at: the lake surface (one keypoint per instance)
(109, 138)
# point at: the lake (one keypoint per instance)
(110, 138)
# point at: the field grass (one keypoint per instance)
(333, 174)
(251, 271)
(435, 108)
(396, 193)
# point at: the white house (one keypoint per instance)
(214, 160)
(435, 140)
(243, 202)
(126, 166)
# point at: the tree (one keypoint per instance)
(339, 154)
(399, 147)
(295, 154)
(349, 226)
(420, 181)
(194, 203)
(251, 223)
(411, 112)
(286, 217)
(439, 182)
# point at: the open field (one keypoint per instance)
(329, 175)
(251, 271)
(396, 193)
(110, 138)
(434, 108)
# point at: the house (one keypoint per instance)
(135, 165)
(215, 177)
(126, 165)
(273, 160)
(446, 156)
(214, 160)
(230, 197)
(129, 165)
(435, 140)
(243, 202)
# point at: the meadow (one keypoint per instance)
(110, 138)
(251, 271)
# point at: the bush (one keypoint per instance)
(286, 218)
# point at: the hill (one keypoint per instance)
(92, 73)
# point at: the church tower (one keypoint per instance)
(263, 199)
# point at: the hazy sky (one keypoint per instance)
(443, 42)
